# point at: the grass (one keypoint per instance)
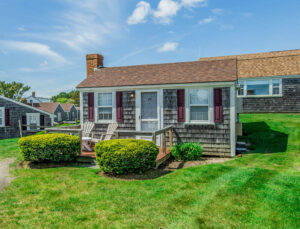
(258, 190)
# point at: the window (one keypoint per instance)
(59, 116)
(199, 104)
(105, 106)
(276, 87)
(259, 87)
(2, 116)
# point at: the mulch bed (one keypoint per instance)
(165, 168)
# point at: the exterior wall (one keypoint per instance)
(16, 112)
(215, 138)
(289, 102)
(128, 113)
(63, 114)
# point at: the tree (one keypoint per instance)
(13, 90)
(67, 97)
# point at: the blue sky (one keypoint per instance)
(44, 43)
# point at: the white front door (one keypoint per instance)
(148, 112)
(33, 119)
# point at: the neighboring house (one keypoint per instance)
(78, 113)
(12, 111)
(70, 112)
(33, 100)
(197, 98)
(54, 108)
(268, 82)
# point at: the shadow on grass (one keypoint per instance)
(263, 139)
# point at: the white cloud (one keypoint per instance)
(165, 10)
(32, 47)
(84, 24)
(140, 13)
(26, 70)
(45, 63)
(206, 20)
(217, 11)
(168, 47)
(246, 14)
(21, 29)
(193, 3)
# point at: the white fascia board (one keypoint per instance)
(25, 105)
(161, 86)
(269, 77)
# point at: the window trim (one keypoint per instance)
(210, 106)
(260, 96)
(113, 106)
(3, 118)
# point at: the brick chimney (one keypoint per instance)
(33, 94)
(93, 61)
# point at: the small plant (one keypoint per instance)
(121, 156)
(49, 147)
(189, 151)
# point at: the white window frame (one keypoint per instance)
(262, 79)
(59, 116)
(38, 115)
(210, 106)
(113, 106)
(3, 118)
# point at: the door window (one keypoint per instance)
(149, 111)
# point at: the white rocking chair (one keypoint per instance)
(106, 136)
(86, 135)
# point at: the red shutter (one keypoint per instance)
(42, 121)
(180, 106)
(119, 104)
(91, 107)
(24, 122)
(7, 117)
(218, 113)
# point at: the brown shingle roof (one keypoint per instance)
(172, 73)
(67, 106)
(48, 107)
(276, 63)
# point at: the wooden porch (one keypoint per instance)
(164, 152)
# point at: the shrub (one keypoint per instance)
(187, 151)
(120, 156)
(49, 147)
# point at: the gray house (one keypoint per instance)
(70, 112)
(12, 111)
(267, 82)
(55, 109)
(196, 98)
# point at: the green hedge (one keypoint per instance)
(189, 151)
(121, 156)
(49, 147)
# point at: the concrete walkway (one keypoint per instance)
(5, 178)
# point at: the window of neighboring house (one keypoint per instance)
(68, 115)
(73, 115)
(2, 116)
(259, 87)
(199, 105)
(105, 106)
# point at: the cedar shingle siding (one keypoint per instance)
(16, 111)
(214, 138)
(289, 102)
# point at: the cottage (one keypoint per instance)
(70, 112)
(55, 109)
(12, 111)
(33, 100)
(268, 82)
(196, 98)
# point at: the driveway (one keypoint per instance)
(5, 178)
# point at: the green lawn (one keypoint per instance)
(258, 190)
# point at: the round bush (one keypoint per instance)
(121, 156)
(49, 147)
(189, 151)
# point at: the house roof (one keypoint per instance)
(48, 107)
(67, 106)
(277, 63)
(25, 105)
(171, 73)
